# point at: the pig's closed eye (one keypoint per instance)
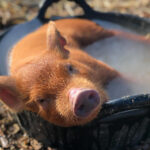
(44, 101)
(70, 69)
(41, 101)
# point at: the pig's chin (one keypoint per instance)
(79, 103)
(80, 121)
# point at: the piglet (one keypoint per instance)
(52, 76)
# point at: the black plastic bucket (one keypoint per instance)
(122, 124)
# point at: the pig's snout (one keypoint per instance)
(83, 101)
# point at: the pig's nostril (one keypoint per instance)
(91, 96)
(81, 108)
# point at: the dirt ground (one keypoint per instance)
(18, 11)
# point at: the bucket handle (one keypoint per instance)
(122, 19)
(47, 3)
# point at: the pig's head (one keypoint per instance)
(63, 86)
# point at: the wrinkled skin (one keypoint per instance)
(41, 75)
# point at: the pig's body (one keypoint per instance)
(51, 76)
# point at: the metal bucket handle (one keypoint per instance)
(126, 20)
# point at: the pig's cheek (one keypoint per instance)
(45, 111)
(63, 106)
(44, 106)
(32, 106)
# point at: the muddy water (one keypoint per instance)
(130, 58)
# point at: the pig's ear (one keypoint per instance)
(9, 93)
(55, 41)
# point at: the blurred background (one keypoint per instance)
(18, 11)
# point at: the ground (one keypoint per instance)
(18, 11)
